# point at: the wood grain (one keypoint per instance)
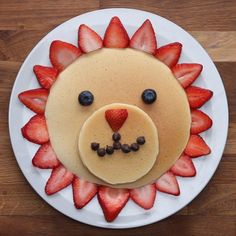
(24, 23)
(221, 46)
(213, 15)
(41, 14)
(178, 225)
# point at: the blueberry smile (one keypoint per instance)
(117, 145)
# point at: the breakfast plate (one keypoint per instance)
(165, 205)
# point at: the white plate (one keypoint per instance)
(165, 205)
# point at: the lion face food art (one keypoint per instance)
(115, 117)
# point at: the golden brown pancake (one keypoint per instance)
(119, 167)
(117, 76)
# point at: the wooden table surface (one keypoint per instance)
(23, 23)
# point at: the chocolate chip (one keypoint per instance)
(125, 148)
(101, 152)
(116, 137)
(134, 147)
(109, 150)
(140, 140)
(95, 146)
(116, 145)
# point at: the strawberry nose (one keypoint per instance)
(116, 118)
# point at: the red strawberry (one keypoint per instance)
(198, 96)
(169, 54)
(112, 201)
(200, 122)
(59, 179)
(83, 192)
(116, 118)
(36, 130)
(46, 75)
(88, 39)
(63, 54)
(186, 73)
(144, 196)
(144, 38)
(116, 35)
(184, 167)
(196, 146)
(34, 99)
(167, 183)
(45, 157)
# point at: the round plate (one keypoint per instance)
(165, 205)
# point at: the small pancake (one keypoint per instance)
(117, 75)
(115, 168)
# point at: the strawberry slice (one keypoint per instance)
(196, 146)
(200, 122)
(116, 35)
(36, 130)
(112, 201)
(198, 96)
(116, 118)
(63, 54)
(45, 157)
(88, 39)
(167, 183)
(184, 167)
(169, 54)
(186, 73)
(46, 75)
(144, 196)
(34, 99)
(144, 38)
(83, 192)
(59, 179)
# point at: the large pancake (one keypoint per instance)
(117, 75)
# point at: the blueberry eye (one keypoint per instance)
(149, 96)
(85, 98)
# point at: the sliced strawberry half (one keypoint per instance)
(88, 39)
(198, 96)
(196, 146)
(63, 54)
(59, 179)
(36, 130)
(45, 157)
(112, 201)
(167, 183)
(186, 73)
(200, 122)
(34, 99)
(46, 75)
(169, 54)
(144, 196)
(83, 192)
(144, 38)
(116, 118)
(184, 167)
(116, 35)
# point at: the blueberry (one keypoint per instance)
(109, 150)
(125, 148)
(134, 147)
(116, 137)
(116, 145)
(94, 146)
(101, 152)
(85, 98)
(141, 140)
(149, 96)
